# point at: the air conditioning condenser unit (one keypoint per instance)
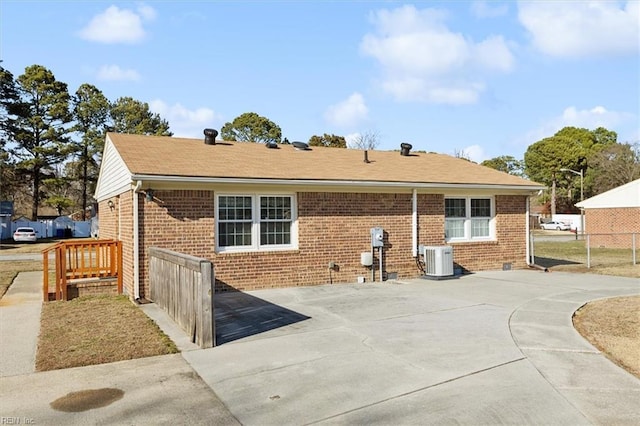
(438, 260)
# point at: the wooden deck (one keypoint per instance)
(80, 262)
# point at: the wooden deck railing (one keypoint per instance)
(81, 260)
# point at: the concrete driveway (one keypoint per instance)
(488, 348)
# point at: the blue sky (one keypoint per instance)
(483, 78)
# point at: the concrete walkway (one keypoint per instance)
(20, 311)
(488, 348)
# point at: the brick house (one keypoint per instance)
(278, 217)
(612, 218)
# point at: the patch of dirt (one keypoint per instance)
(96, 330)
(11, 247)
(89, 399)
(613, 326)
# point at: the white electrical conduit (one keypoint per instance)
(136, 243)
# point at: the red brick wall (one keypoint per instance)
(621, 221)
(181, 221)
(120, 220)
(108, 219)
(332, 227)
(126, 236)
(510, 245)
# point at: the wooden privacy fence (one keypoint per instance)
(82, 260)
(183, 286)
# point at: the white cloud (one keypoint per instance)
(351, 139)
(347, 113)
(115, 73)
(582, 28)
(482, 9)
(184, 122)
(591, 119)
(474, 153)
(147, 12)
(423, 60)
(116, 25)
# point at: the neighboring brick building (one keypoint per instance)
(278, 217)
(612, 219)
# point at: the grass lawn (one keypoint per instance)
(571, 256)
(85, 331)
(96, 330)
(613, 326)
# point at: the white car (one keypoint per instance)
(25, 235)
(554, 225)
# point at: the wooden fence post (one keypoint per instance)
(45, 276)
(206, 322)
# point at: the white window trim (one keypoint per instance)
(467, 219)
(255, 225)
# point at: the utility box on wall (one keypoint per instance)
(377, 237)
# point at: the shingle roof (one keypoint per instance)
(171, 156)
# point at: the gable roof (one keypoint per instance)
(627, 195)
(181, 159)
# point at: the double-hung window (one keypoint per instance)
(469, 218)
(255, 222)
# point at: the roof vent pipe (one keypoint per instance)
(366, 157)
(210, 136)
(405, 148)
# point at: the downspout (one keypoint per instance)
(136, 243)
(414, 223)
(528, 231)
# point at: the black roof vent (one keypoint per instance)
(272, 145)
(300, 146)
(210, 136)
(405, 148)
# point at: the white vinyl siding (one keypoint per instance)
(114, 177)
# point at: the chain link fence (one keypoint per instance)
(613, 253)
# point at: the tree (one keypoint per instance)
(368, 141)
(462, 154)
(327, 140)
(544, 159)
(506, 164)
(250, 127)
(615, 165)
(91, 114)
(591, 141)
(134, 117)
(570, 148)
(58, 189)
(38, 126)
(8, 100)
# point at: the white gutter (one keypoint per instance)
(414, 223)
(136, 243)
(254, 181)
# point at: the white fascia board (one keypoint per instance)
(312, 182)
